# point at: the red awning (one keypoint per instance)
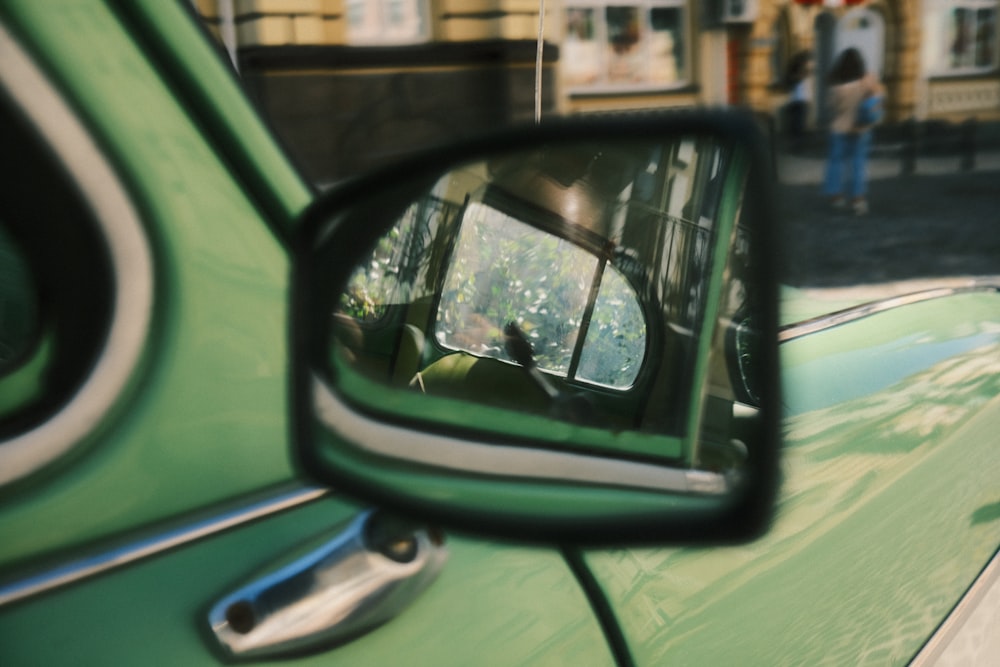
(837, 3)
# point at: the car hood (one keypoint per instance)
(887, 509)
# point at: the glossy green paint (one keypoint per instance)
(213, 96)
(205, 418)
(203, 424)
(493, 604)
(867, 355)
(881, 524)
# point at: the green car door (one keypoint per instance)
(147, 484)
(144, 460)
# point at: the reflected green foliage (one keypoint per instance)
(505, 271)
(616, 339)
(399, 263)
(391, 269)
(372, 287)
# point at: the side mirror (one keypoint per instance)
(561, 333)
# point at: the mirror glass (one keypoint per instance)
(584, 296)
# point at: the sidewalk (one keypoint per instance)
(886, 161)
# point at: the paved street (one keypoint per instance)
(939, 222)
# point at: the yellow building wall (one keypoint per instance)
(908, 93)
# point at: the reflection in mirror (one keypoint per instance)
(589, 296)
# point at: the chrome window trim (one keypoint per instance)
(89, 566)
(131, 259)
(830, 320)
(985, 590)
(450, 453)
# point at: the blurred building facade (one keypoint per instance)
(938, 58)
(343, 80)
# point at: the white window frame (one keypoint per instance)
(601, 85)
(938, 38)
(118, 221)
(377, 27)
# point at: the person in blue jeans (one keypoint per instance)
(847, 161)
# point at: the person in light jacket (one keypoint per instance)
(847, 162)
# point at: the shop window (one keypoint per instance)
(616, 46)
(960, 36)
(387, 22)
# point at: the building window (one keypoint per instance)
(961, 36)
(387, 22)
(624, 46)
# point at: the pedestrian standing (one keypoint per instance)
(799, 84)
(852, 88)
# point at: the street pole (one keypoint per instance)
(538, 61)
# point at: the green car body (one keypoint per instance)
(183, 487)
(888, 508)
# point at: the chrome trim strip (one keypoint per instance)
(960, 615)
(442, 451)
(89, 566)
(835, 319)
(131, 259)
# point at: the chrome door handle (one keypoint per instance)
(360, 579)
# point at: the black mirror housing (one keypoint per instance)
(559, 333)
